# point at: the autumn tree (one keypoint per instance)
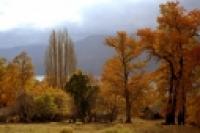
(60, 59)
(192, 76)
(120, 68)
(110, 101)
(175, 35)
(16, 76)
(111, 92)
(155, 95)
(3, 66)
(25, 68)
(3, 97)
(10, 84)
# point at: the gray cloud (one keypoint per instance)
(190, 4)
(23, 36)
(120, 16)
(100, 19)
(128, 16)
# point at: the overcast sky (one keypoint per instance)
(26, 19)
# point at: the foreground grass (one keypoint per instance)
(138, 126)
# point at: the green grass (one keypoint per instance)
(138, 126)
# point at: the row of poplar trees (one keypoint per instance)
(60, 59)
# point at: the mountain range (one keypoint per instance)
(91, 54)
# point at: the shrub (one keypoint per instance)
(45, 108)
(150, 113)
(116, 130)
(42, 103)
(193, 110)
(25, 107)
(3, 118)
(111, 131)
(53, 104)
(6, 112)
(66, 130)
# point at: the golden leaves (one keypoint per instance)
(121, 73)
(17, 76)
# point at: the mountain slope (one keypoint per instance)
(91, 54)
(35, 51)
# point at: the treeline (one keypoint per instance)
(125, 89)
(25, 99)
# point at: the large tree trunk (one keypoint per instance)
(126, 92)
(170, 115)
(181, 114)
(182, 97)
(171, 107)
(128, 107)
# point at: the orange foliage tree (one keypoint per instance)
(119, 70)
(15, 77)
(174, 37)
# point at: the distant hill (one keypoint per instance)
(91, 54)
(35, 51)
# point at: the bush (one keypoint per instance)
(45, 108)
(6, 113)
(116, 130)
(111, 131)
(66, 130)
(193, 110)
(25, 107)
(49, 105)
(3, 118)
(150, 113)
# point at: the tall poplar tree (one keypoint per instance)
(60, 59)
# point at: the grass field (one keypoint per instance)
(138, 126)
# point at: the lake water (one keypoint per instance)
(39, 77)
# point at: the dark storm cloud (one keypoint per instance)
(105, 18)
(120, 16)
(128, 16)
(23, 36)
